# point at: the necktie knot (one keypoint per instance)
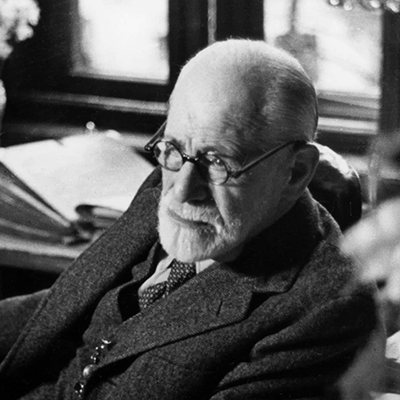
(179, 274)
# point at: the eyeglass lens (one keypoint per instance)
(210, 166)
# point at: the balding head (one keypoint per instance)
(274, 99)
(231, 107)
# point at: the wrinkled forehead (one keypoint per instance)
(210, 105)
(196, 139)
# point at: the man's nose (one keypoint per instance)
(189, 185)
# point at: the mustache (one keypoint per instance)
(205, 214)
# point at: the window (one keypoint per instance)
(113, 62)
(64, 75)
(122, 39)
(340, 50)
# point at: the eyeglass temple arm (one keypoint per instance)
(149, 146)
(236, 174)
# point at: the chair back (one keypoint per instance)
(336, 185)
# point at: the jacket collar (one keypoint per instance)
(71, 298)
(221, 294)
(275, 256)
(218, 296)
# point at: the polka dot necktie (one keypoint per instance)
(179, 274)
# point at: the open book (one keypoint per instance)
(102, 213)
(42, 185)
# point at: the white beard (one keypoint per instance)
(210, 239)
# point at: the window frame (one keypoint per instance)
(345, 124)
(40, 87)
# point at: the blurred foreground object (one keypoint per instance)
(392, 369)
(17, 19)
(393, 347)
(374, 243)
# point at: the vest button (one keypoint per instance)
(106, 344)
(78, 387)
(95, 358)
(88, 370)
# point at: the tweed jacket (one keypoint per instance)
(284, 320)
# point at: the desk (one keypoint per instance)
(85, 169)
(27, 265)
(36, 255)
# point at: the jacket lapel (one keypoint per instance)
(82, 285)
(222, 294)
(214, 298)
(217, 297)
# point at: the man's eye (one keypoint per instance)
(212, 161)
(170, 149)
(172, 154)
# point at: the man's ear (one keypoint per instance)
(302, 169)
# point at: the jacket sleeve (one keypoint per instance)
(153, 180)
(307, 359)
(14, 314)
(16, 311)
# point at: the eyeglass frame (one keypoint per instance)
(149, 147)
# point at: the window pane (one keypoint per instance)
(124, 39)
(341, 50)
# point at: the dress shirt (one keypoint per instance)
(164, 268)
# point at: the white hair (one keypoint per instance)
(284, 104)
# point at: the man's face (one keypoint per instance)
(199, 220)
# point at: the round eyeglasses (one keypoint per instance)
(210, 165)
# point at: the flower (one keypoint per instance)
(17, 19)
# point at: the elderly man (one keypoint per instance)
(235, 288)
